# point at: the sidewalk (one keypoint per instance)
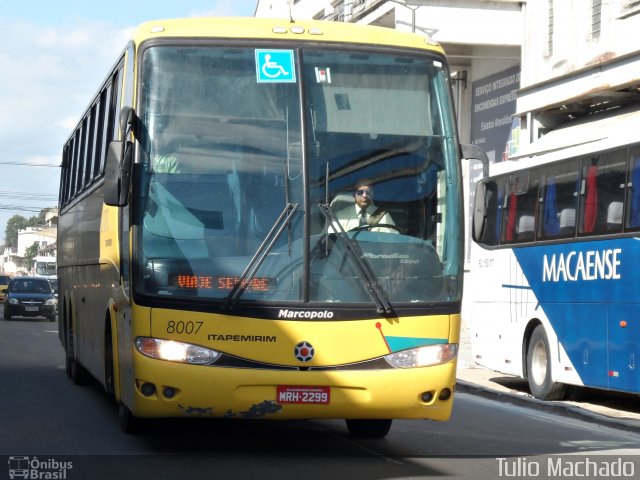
(479, 380)
(612, 408)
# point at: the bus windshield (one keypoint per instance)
(252, 160)
(45, 268)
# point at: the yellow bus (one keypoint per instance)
(205, 269)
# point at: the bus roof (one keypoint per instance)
(261, 28)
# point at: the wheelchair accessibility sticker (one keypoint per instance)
(275, 66)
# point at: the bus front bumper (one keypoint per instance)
(164, 389)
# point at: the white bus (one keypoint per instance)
(554, 274)
(45, 266)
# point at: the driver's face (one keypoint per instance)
(364, 196)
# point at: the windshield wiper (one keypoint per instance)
(354, 252)
(261, 254)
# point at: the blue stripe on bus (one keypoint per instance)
(589, 293)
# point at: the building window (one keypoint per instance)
(550, 28)
(596, 18)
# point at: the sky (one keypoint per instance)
(53, 56)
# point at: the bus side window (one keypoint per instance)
(603, 193)
(633, 197)
(558, 201)
(521, 203)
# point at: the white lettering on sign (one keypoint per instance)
(308, 314)
(582, 266)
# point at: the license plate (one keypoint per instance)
(303, 395)
(31, 309)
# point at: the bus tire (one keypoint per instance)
(369, 428)
(129, 423)
(79, 375)
(109, 370)
(65, 337)
(539, 368)
(75, 371)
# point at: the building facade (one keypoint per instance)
(578, 62)
(13, 261)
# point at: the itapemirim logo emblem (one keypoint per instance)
(40, 469)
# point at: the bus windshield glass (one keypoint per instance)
(45, 268)
(255, 163)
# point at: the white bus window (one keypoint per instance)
(520, 205)
(602, 193)
(558, 201)
(633, 196)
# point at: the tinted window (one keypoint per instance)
(30, 285)
(558, 201)
(520, 207)
(602, 193)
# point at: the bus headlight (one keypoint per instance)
(174, 351)
(423, 356)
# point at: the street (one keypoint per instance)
(74, 430)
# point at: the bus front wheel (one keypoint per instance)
(539, 368)
(369, 428)
(75, 371)
(129, 423)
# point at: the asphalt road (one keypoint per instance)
(43, 416)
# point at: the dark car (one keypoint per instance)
(29, 297)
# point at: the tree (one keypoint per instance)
(14, 224)
(17, 223)
(30, 253)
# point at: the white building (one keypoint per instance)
(45, 236)
(579, 59)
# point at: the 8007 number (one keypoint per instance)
(181, 327)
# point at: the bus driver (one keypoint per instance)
(364, 213)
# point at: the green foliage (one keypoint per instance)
(30, 253)
(17, 223)
(14, 224)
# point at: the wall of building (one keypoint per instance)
(42, 235)
(573, 42)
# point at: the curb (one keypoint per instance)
(525, 400)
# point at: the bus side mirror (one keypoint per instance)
(474, 152)
(117, 175)
(484, 213)
(479, 211)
